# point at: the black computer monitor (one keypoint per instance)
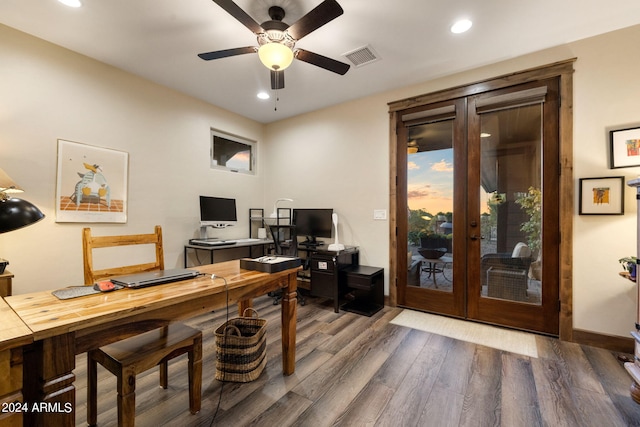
(217, 212)
(313, 223)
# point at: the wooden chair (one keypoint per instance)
(128, 357)
(89, 243)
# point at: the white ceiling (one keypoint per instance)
(159, 40)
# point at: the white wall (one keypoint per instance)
(49, 93)
(336, 157)
(606, 90)
(339, 156)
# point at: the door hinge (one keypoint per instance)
(559, 306)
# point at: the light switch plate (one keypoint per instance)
(380, 214)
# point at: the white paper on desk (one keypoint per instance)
(273, 259)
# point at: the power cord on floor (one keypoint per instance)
(226, 288)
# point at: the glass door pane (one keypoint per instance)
(430, 172)
(431, 163)
(510, 194)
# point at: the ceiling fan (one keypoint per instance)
(277, 40)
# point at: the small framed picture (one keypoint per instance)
(625, 147)
(602, 196)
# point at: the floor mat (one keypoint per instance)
(499, 338)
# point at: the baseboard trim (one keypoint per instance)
(609, 342)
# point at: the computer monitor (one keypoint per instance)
(313, 223)
(217, 212)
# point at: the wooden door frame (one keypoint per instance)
(563, 70)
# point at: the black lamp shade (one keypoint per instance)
(17, 213)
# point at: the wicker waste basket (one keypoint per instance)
(241, 348)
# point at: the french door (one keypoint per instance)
(478, 177)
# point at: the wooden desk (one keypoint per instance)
(14, 334)
(63, 328)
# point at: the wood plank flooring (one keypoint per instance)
(362, 371)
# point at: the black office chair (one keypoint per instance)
(285, 242)
(284, 239)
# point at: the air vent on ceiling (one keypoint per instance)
(362, 56)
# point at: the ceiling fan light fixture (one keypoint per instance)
(275, 56)
(461, 26)
(71, 3)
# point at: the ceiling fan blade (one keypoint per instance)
(208, 56)
(322, 61)
(325, 12)
(277, 79)
(234, 10)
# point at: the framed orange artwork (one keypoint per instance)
(624, 147)
(602, 196)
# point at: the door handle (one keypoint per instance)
(474, 237)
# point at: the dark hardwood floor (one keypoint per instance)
(362, 371)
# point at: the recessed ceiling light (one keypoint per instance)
(71, 3)
(461, 26)
(263, 95)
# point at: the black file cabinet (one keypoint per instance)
(326, 278)
(367, 286)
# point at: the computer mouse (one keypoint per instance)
(104, 286)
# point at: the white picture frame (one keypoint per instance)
(91, 184)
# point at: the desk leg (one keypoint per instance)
(11, 386)
(48, 382)
(289, 318)
(243, 305)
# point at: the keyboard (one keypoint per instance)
(206, 242)
(216, 242)
(247, 240)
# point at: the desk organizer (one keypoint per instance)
(270, 264)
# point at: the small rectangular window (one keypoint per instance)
(232, 153)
